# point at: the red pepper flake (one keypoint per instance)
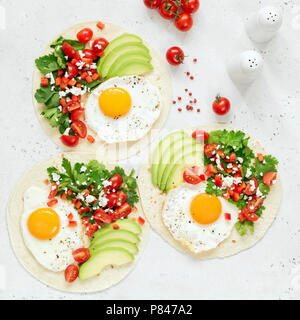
(100, 25)
(78, 204)
(195, 60)
(81, 211)
(72, 224)
(141, 221)
(202, 177)
(70, 216)
(227, 216)
(116, 226)
(198, 110)
(52, 203)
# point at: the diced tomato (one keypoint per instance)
(255, 204)
(221, 154)
(87, 209)
(226, 195)
(89, 79)
(231, 158)
(86, 192)
(96, 76)
(260, 157)
(78, 204)
(89, 54)
(112, 200)
(90, 139)
(74, 200)
(116, 226)
(141, 221)
(122, 197)
(70, 216)
(210, 149)
(251, 216)
(227, 216)
(218, 180)
(81, 255)
(200, 135)
(202, 177)
(63, 102)
(100, 25)
(210, 170)
(91, 187)
(69, 51)
(72, 224)
(44, 82)
(60, 73)
(58, 81)
(63, 195)
(100, 216)
(70, 141)
(84, 75)
(72, 83)
(235, 196)
(71, 273)
(123, 211)
(79, 129)
(191, 175)
(240, 188)
(52, 203)
(242, 217)
(269, 178)
(70, 192)
(251, 187)
(85, 220)
(53, 191)
(81, 211)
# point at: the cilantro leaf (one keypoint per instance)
(132, 196)
(47, 64)
(47, 96)
(241, 228)
(74, 43)
(60, 56)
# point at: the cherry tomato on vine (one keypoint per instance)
(184, 22)
(190, 6)
(152, 4)
(175, 56)
(168, 9)
(221, 105)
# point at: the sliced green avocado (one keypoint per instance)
(124, 224)
(119, 243)
(124, 60)
(189, 147)
(195, 158)
(112, 235)
(107, 61)
(163, 145)
(102, 258)
(125, 38)
(135, 68)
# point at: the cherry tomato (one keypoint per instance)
(218, 180)
(72, 70)
(200, 135)
(85, 35)
(100, 216)
(231, 158)
(254, 204)
(251, 216)
(191, 175)
(210, 149)
(221, 105)
(184, 22)
(53, 191)
(70, 141)
(69, 51)
(76, 114)
(89, 54)
(81, 255)
(71, 273)
(210, 170)
(175, 56)
(190, 6)
(112, 200)
(269, 178)
(251, 187)
(99, 45)
(240, 188)
(168, 9)
(152, 4)
(122, 197)
(79, 129)
(116, 182)
(123, 211)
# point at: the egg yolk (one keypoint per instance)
(115, 102)
(43, 223)
(205, 208)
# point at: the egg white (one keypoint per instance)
(54, 254)
(178, 220)
(145, 110)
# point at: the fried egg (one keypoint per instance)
(123, 109)
(197, 219)
(45, 230)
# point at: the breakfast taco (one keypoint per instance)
(210, 192)
(76, 224)
(98, 87)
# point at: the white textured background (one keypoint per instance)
(269, 110)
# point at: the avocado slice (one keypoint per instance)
(176, 174)
(124, 224)
(189, 147)
(119, 243)
(112, 235)
(124, 60)
(135, 68)
(125, 38)
(101, 258)
(107, 61)
(163, 145)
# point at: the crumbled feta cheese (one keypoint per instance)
(248, 173)
(102, 199)
(55, 177)
(90, 199)
(83, 169)
(240, 160)
(106, 183)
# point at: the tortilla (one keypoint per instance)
(153, 201)
(158, 77)
(36, 176)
